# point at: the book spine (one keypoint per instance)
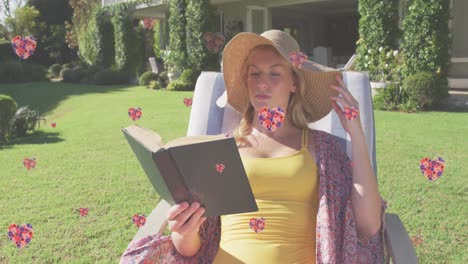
(172, 176)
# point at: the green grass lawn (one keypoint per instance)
(86, 162)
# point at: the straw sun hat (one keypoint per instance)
(318, 78)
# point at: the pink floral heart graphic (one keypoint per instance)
(432, 169)
(24, 47)
(350, 113)
(139, 220)
(271, 119)
(188, 102)
(53, 125)
(20, 235)
(135, 113)
(83, 211)
(29, 163)
(214, 42)
(257, 224)
(220, 167)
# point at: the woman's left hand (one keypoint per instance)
(349, 111)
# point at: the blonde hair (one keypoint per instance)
(297, 111)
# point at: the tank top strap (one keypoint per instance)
(305, 138)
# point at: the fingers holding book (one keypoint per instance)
(184, 219)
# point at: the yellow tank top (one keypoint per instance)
(286, 191)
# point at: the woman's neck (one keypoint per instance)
(285, 130)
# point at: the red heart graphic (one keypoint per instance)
(29, 163)
(83, 211)
(53, 125)
(220, 167)
(24, 47)
(214, 42)
(20, 235)
(187, 102)
(135, 113)
(271, 119)
(432, 169)
(139, 220)
(257, 224)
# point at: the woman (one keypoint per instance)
(315, 206)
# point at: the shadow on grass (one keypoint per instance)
(46, 96)
(38, 137)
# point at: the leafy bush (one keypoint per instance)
(147, 77)
(55, 69)
(110, 77)
(426, 43)
(23, 121)
(378, 29)
(421, 88)
(155, 85)
(13, 71)
(163, 78)
(7, 111)
(387, 98)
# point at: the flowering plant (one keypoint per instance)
(383, 64)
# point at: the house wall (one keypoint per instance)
(459, 39)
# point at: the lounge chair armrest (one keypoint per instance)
(156, 222)
(399, 245)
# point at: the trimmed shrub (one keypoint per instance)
(426, 41)
(55, 69)
(155, 85)
(190, 76)
(110, 77)
(67, 75)
(179, 85)
(78, 73)
(7, 111)
(13, 71)
(147, 77)
(67, 66)
(421, 88)
(23, 121)
(176, 54)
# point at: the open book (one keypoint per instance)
(204, 169)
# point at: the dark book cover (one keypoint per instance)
(196, 169)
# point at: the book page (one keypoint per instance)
(192, 140)
(150, 139)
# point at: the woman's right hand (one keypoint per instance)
(184, 223)
(184, 219)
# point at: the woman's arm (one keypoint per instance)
(365, 197)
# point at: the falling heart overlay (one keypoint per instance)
(297, 59)
(188, 101)
(135, 113)
(257, 224)
(139, 220)
(20, 235)
(214, 42)
(29, 163)
(53, 125)
(24, 47)
(432, 169)
(83, 211)
(220, 167)
(271, 119)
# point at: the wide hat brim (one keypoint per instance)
(317, 77)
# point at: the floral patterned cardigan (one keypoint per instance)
(336, 237)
